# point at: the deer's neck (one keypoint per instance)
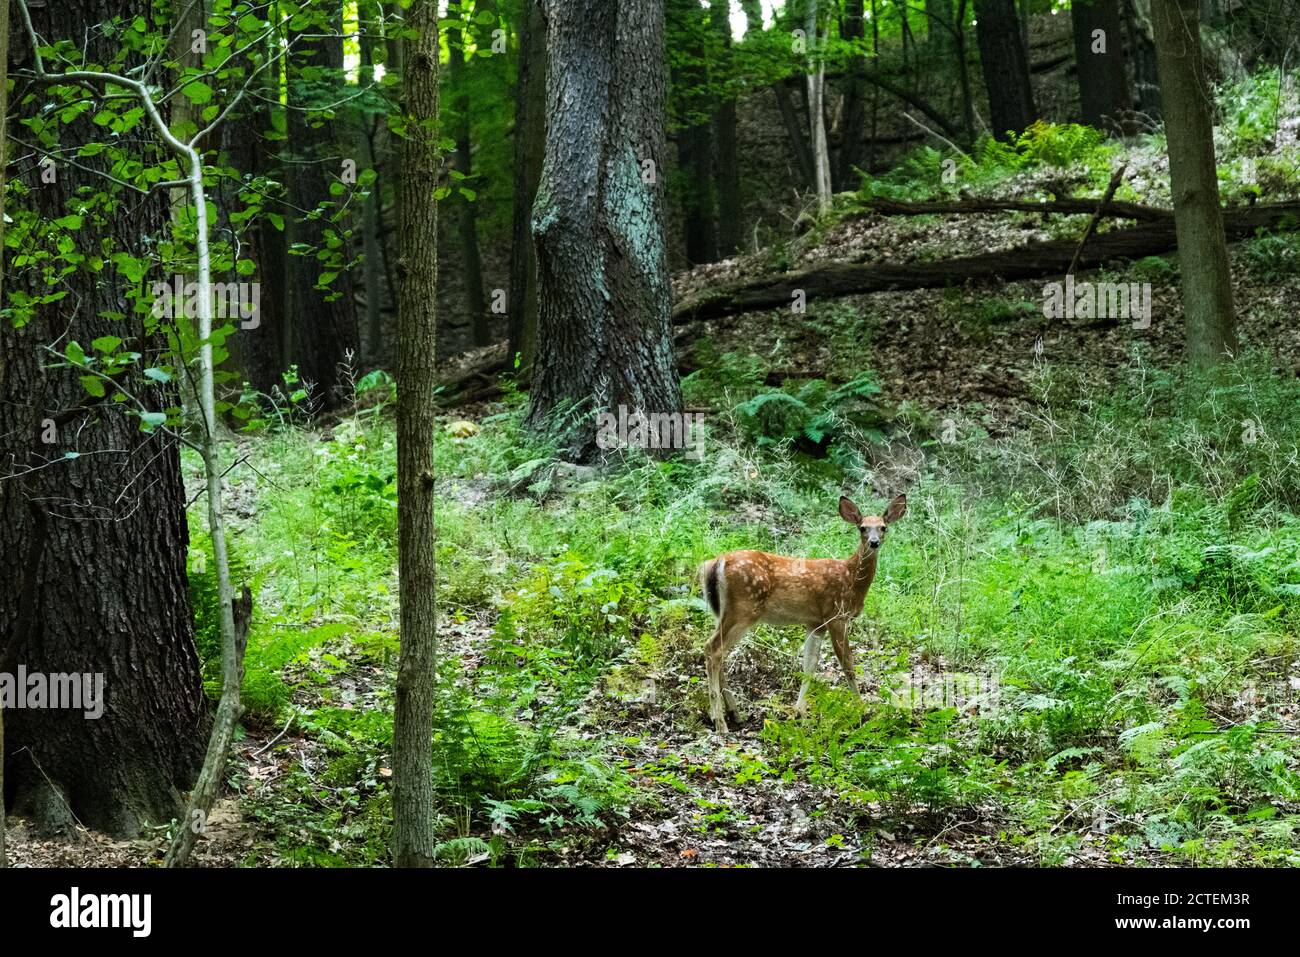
(862, 567)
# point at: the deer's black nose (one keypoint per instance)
(873, 542)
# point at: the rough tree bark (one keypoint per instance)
(1099, 55)
(1202, 249)
(97, 545)
(604, 331)
(1005, 65)
(413, 814)
(530, 145)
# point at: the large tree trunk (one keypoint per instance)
(604, 330)
(324, 322)
(1099, 55)
(852, 146)
(467, 216)
(92, 519)
(530, 146)
(1202, 250)
(728, 162)
(413, 813)
(1005, 66)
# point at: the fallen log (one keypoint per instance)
(485, 371)
(1118, 209)
(1030, 261)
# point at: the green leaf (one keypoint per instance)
(151, 420)
(76, 355)
(158, 375)
(106, 344)
(94, 385)
(197, 92)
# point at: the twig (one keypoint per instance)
(283, 732)
(1115, 180)
(937, 136)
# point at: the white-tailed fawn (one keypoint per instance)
(746, 588)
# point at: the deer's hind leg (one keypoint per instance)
(733, 639)
(729, 631)
(812, 650)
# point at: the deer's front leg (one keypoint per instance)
(812, 648)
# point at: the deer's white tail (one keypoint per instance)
(713, 585)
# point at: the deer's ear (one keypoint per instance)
(849, 512)
(897, 509)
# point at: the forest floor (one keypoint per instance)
(1150, 701)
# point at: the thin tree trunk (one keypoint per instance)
(1202, 249)
(467, 215)
(413, 813)
(604, 333)
(1099, 54)
(1005, 65)
(816, 110)
(184, 118)
(530, 146)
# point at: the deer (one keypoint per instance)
(746, 588)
